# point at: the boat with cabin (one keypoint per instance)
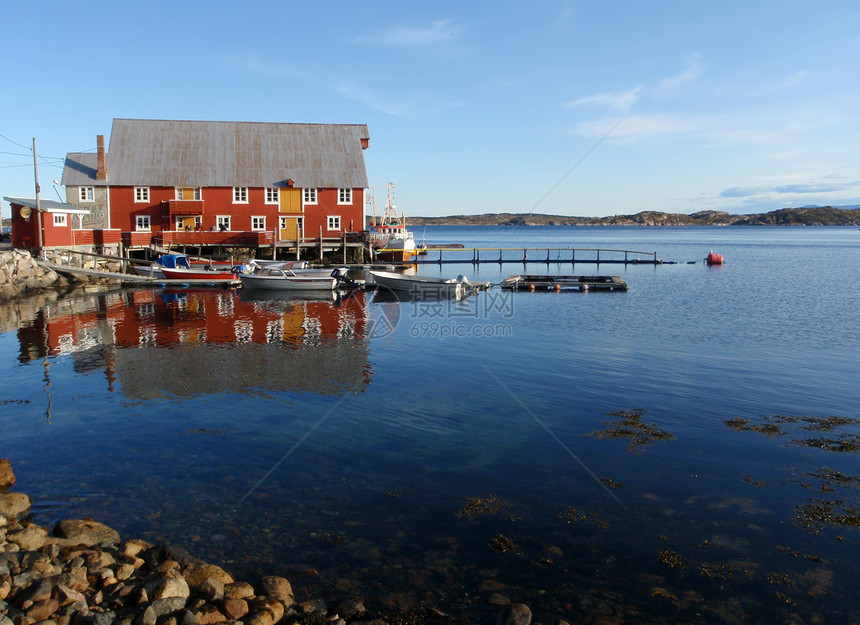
(389, 237)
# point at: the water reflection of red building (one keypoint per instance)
(151, 340)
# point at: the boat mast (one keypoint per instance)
(390, 211)
(373, 220)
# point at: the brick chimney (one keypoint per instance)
(101, 166)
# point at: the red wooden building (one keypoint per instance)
(222, 183)
(47, 224)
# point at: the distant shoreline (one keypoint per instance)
(808, 216)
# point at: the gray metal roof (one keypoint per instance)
(49, 206)
(80, 170)
(226, 154)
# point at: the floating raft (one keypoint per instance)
(564, 283)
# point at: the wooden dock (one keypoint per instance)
(564, 283)
(128, 278)
(544, 255)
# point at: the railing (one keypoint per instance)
(545, 255)
(205, 238)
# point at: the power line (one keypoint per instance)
(16, 143)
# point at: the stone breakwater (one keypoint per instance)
(80, 572)
(20, 274)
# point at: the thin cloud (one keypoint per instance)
(620, 101)
(788, 189)
(408, 36)
(669, 86)
(406, 107)
(638, 127)
(252, 63)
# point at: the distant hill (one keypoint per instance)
(805, 216)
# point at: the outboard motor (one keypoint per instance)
(341, 274)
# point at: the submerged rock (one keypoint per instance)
(13, 504)
(515, 614)
(86, 532)
(7, 477)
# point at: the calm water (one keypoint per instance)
(463, 453)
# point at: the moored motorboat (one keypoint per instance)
(281, 278)
(426, 286)
(179, 267)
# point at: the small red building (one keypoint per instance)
(222, 183)
(47, 224)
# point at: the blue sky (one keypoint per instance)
(563, 107)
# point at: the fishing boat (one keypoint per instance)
(281, 278)
(179, 267)
(425, 286)
(388, 234)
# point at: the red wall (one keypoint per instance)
(219, 201)
(25, 234)
(316, 215)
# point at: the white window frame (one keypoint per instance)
(344, 196)
(283, 223)
(141, 194)
(333, 222)
(87, 194)
(60, 220)
(222, 219)
(143, 223)
(240, 195)
(309, 196)
(258, 223)
(273, 195)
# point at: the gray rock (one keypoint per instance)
(36, 592)
(13, 505)
(104, 618)
(171, 587)
(188, 618)
(516, 614)
(86, 532)
(238, 590)
(147, 617)
(167, 605)
(211, 589)
(351, 609)
(31, 537)
(7, 477)
(278, 588)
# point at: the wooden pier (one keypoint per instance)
(129, 278)
(544, 255)
(564, 283)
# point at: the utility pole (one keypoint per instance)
(38, 206)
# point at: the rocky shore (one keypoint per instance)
(20, 274)
(80, 571)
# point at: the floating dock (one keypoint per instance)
(564, 283)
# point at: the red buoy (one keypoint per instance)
(714, 259)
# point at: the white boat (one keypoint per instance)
(280, 278)
(295, 265)
(388, 234)
(425, 286)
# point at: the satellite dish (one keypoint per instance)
(25, 212)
